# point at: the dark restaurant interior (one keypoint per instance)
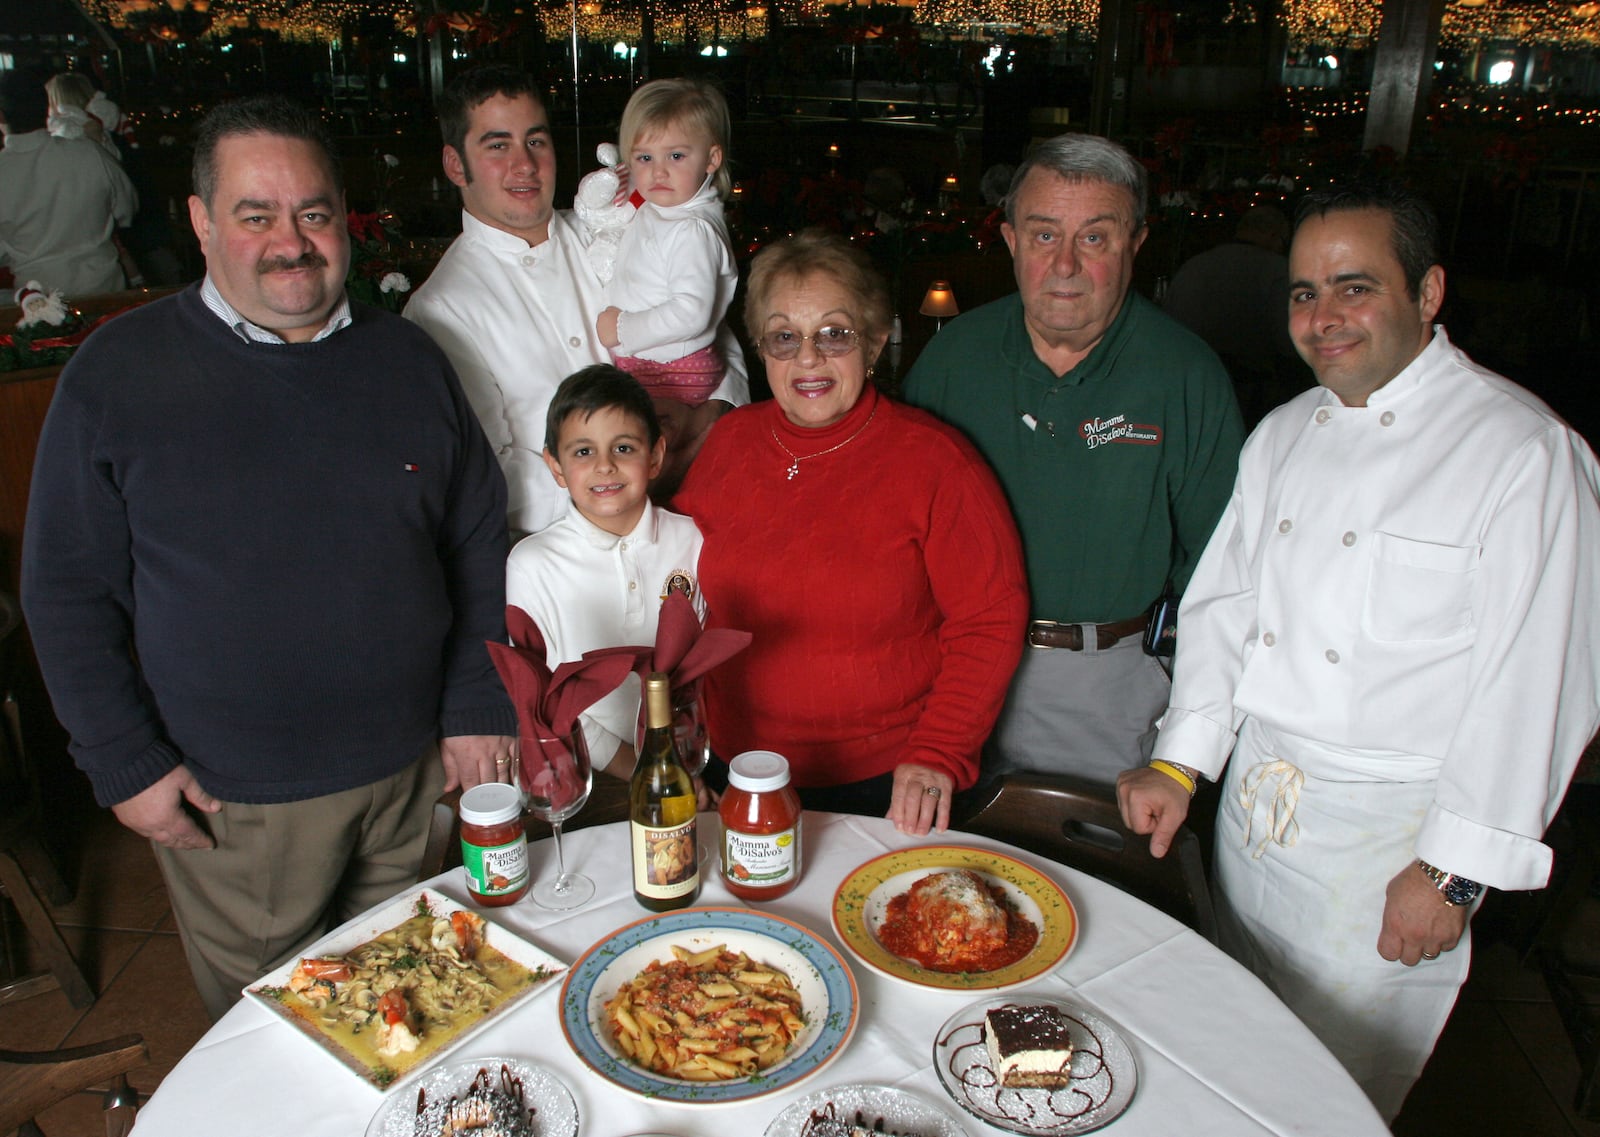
(895, 124)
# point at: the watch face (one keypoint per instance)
(1461, 892)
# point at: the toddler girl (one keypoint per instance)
(675, 274)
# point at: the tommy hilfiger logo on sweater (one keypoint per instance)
(1099, 431)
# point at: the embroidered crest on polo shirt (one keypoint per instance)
(1098, 432)
(679, 580)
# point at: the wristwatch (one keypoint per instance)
(1457, 891)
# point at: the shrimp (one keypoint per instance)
(462, 933)
(317, 980)
(394, 1033)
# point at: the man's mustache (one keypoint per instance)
(310, 259)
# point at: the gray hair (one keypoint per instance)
(1084, 158)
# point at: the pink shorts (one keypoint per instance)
(689, 380)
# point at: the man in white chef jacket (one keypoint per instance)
(514, 299)
(1392, 633)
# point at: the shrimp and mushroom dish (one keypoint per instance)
(398, 997)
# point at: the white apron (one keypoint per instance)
(1301, 879)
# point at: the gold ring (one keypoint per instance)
(1425, 955)
(932, 791)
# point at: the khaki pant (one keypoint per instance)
(1089, 713)
(283, 874)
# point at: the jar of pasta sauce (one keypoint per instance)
(494, 848)
(760, 827)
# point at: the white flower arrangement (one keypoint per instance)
(391, 161)
(394, 282)
(39, 306)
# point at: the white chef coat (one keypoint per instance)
(61, 200)
(1403, 594)
(674, 279)
(586, 589)
(516, 319)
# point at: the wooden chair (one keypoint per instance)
(1073, 821)
(31, 1081)
(608, 802)
(24, 859)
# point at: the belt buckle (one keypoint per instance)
(1032, 624)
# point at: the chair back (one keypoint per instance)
(1072, 821)
(32, 1081)
(608, 802)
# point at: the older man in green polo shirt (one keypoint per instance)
(1115, 433)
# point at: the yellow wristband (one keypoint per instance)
(1177, 775)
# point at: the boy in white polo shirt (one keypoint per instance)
(596, 576)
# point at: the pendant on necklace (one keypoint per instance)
(794, 468)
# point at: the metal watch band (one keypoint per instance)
(1457, 891)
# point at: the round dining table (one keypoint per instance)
(1216, 1052)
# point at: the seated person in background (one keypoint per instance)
(866, 546)
(61, 199)
(596, 576)
(675, 275)
(1232, 297)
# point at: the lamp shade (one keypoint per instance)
(939, 302)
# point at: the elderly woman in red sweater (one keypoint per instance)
(865, 544)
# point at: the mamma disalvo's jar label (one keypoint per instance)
(666, 862)
(761, 860)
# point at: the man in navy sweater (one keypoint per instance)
(265, 546)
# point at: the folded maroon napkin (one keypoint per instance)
(685, 650)
(548, 703)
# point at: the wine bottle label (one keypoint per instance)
(666, 862)
(493, 870)
(760, 860)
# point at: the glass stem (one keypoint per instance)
(561, 864)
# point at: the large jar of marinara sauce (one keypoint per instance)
(494, 847)
(760, 827)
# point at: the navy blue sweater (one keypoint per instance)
(277, 564)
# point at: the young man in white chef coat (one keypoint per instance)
(1391, 632)
(514, 299)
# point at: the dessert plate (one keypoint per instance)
(891, 1110)
(1104, 1073)
(555, 1114)
(862, 902)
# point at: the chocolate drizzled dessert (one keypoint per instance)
(823, 1123)
(486, 1109)
(1030, 1047)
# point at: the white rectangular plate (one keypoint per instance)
(374, 924)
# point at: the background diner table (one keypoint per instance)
(1217, 1053)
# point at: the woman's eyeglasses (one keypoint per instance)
(829, 341)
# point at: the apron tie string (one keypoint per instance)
(1282, 827)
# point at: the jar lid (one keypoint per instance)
(490, 803)
(756, 771)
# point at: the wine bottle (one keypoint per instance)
(666, 855)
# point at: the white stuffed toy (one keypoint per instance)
(596, 208)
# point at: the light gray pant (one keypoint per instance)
(1089, 713)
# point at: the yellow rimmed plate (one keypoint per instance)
(862, 902)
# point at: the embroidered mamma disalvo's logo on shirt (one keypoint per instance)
(1100, 431)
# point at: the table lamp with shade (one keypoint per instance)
(940, 303)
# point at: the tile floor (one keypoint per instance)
(1503, 1068)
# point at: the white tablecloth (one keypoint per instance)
(1217, 1053)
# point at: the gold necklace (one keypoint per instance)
(794, 465)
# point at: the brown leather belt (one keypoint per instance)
(1048, 633)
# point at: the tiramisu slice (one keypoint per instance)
(1029, 1047)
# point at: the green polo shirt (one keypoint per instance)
(1116, 472)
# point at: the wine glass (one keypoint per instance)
(689, 737)
(556, 778)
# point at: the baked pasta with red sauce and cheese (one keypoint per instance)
(957, 921)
